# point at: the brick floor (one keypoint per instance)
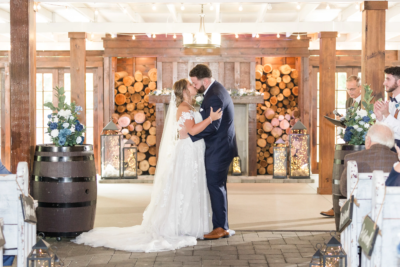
(246, 248)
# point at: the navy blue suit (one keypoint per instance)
(221, 148)
(393, 179)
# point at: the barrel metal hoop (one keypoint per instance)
(79, 148)
(337, 182)
(67, 205)
(338, 161)
(63, 159)
(63, 234)
(63, 179)
(350, 147)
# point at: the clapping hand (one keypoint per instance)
(398, 151)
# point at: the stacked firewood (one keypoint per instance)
(278, 113)
(136, 117)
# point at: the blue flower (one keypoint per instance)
(366, 119)
(78, 108)
(61, 141)
(78, 127)
(347, 136)
(49, 116)
(53, 126)
(83, 139)
(64, 133)
(371, 111)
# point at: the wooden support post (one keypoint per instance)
(22, 81)
(5, 119)
(252, 146)
(373, 46)
(160, 118)
(253, 75)
(305, 96)
(78, 71)
(174, 72)
(159, 76)
(327, 68)
(221, 72)
(237, 75)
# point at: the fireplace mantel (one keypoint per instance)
(249, 101)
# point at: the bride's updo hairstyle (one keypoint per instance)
(179, 88)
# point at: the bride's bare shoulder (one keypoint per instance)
(183, 107)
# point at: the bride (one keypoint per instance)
(179, 211)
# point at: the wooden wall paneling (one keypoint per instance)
(252, 75)
(160, 117)
(373, 46)
(182, 70)
(221, 73)
(6, 118)
(229, 76)
(313, 74)
(245, 75)
(174, 72)
(305, 92)
(190, 66)
(237, 75)
(252, 141)
(133, 65)
(197, 59)
(78, 71)
(327, 134)
(214, 66)
(167, 75)
(126, 64)
(98, 116)
(22, 81)
(144, 64)
(259, 61)
(114, 62)
(159, 75)
(56, 82)
(108, 91)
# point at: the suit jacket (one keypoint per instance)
(377, 158)
(349, 103)
(393, 179)
(220, 137)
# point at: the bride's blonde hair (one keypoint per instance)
(179, 88)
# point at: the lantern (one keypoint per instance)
(111, 144)
(299, 157)
(317, 258)
(280, 159)
(42, 255)
(236, 166)
(333, 254)
(129, 162)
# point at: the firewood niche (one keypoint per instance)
(277, 79)
(134, 79)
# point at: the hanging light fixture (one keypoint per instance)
(257, 35)
(236, 35)
(154, 35)
(278, 35)
(240, 8)
(182, 7)
(338, 35)
(174, 36)
(201, 39)
(327, 6)
(133, 37)
(154, 7)
(298, 6)
(298, 36)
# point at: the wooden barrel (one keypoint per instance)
(64, 183)
(338, 165)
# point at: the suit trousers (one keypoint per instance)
(216, 183)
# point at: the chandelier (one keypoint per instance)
(201, 39)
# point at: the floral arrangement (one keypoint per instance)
(165, 91)
(64, 127)
(358, 121)
(243, 92)
(198, 99)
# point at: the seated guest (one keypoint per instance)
(394, 176)
(376, 157)
(3, 169)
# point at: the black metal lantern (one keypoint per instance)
(333, 254)
(111, 144)
(129, 162)
(316, 260)
(237, 166)
(280, 159)
(42, 255)
(299, 157)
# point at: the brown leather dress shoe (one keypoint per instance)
(217, 233)
(329, 213)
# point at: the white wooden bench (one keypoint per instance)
(384, 253)
(363, 195)
(19, 235)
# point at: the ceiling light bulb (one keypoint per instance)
(154, 7)
(298, 36)
(278, 35)
(211, 7)
(174, 36)
(357, 6)
(236, 35)
(96, 12)
(182, 7)
(92, 35)
(240, 8)
(39, 6)
(338, 35)
(133, 37)
(154, 35)
(328, 7)
(257, 35)
(298, 6)
(113, 35)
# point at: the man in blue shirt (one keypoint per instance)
(3, 169)
(394, 176)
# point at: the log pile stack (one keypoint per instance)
(136, 117)
(278, 113)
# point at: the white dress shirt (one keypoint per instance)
(212, 81)
(357, 99)
(391, 121)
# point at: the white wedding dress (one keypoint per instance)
(179, 211)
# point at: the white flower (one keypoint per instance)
(360, 130)
(357, 117)
(373, 116)
(339, 130)
(366, 126)
(72, 128)
(54, 133)
(64, 113)
(55, 119)
(355, 127)
(362, 113)
(361, 122)
(78, 140)
(65, 125)
(71, 117)
(199, 98)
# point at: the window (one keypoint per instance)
(67, 87)
(44, 94)
(1, 114)
(89, 109)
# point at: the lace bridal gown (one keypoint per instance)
(179, 211)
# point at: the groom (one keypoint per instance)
(220, 139)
